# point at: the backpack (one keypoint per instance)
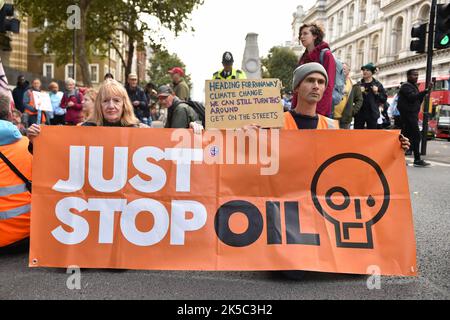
(199, 109)
(339, 80)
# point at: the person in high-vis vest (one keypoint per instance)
(228, 73)
(309, 82)
(15, 199)
(29, 104)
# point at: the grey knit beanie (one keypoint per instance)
(304, 70)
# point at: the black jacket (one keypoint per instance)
(371, 101)
(18, 93)
(142, 110)
(410, 99)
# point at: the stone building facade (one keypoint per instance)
(378, 31)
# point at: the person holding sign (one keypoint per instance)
(310, 82)
(228, 73)
(112, 108)
(29, 103)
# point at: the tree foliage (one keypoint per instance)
(280, 64)
(162, 62)
(101, 21)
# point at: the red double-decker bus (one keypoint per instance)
(439, 108)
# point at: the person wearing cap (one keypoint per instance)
(309, 83)
(228, 72)
(180, 114)
(179, 85)
(374, 95)
(138, 98)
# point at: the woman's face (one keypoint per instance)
(88, 105)
(112, 108)
(70, 86)
(306, 37)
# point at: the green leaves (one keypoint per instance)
(280, 64)
(162, 62)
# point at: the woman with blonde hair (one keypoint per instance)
(89, 103)
(113, 108)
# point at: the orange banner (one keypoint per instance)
(331, 201)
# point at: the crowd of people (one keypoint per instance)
(115, 105)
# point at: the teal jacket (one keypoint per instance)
(8, 133)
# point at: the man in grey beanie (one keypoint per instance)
(309, 83)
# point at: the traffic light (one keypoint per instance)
(442, 34)
(6, 23)
(419, 37)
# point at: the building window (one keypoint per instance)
(424, 14)
(374, 49)
(93, 70)
(340, 24)
(331, 29)
(360, 54)
(351, 14)
(69, 72)
(48, 70)
(348, 56)
(397, 36)
(362, 11)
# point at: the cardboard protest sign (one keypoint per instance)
(228, 200)
(42, 101)
(233, 104)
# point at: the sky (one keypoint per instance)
(222, 25)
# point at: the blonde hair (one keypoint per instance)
(113, 88)
(91, 93)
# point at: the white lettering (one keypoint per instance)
(79, 225)
(120, 170)
(180, 225)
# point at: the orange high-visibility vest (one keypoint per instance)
(15, 200)
(324, 122)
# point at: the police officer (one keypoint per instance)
(228, 73)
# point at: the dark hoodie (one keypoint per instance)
(324, 105)
(18, 93)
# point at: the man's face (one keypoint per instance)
(311, 89)
(413, 77)
(21, 80)
(228, 67)
(176, 77)
(165, 101)
(132, 82)
(36, 85)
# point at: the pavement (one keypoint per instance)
(430, 196)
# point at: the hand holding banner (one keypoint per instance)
(234, 200)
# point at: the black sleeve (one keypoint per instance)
(143, 100)
(30, 147)
(411, 94)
